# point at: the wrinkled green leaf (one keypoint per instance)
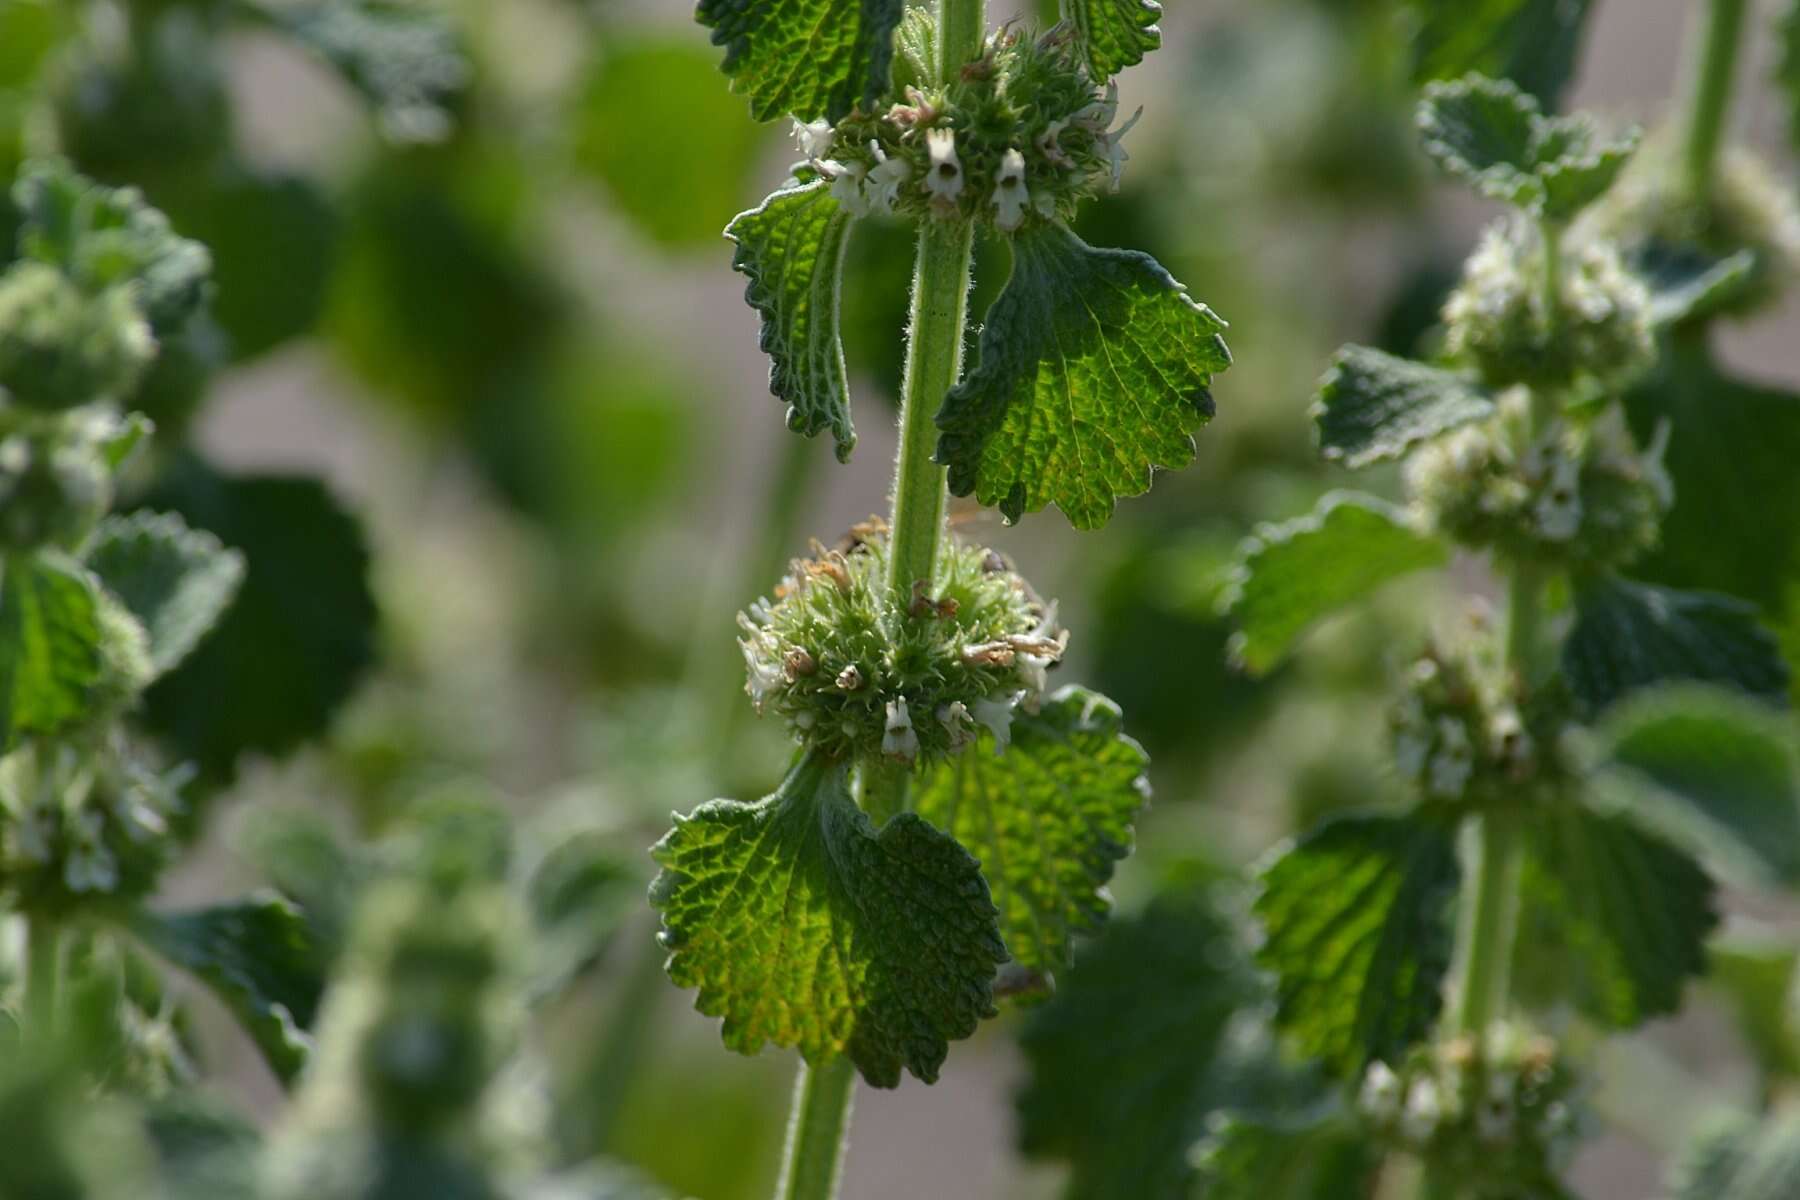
(304, 617)
(1731, 456)
(1292, 574)
(1736, 1157)
(1534, 43)
(175, 580)
(1123, 1058)
(1114, 33)
(811, 58)
(792, 249)
(49, 644)
(1374, 406)
(1314, 1155)
(261, 957)
(1614, 917)
(803, 925)
(1630, 635)
(1713, 771)
(1047, 819)
(1096, 367)
(1357, 916)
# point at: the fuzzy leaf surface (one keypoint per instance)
(1612, 916)
(1123, 1057)
(1534, 43)
(175, 580)
(1115, 33)
(1095, 368)
(1373, 406)
(1047, 819)
(811, 58)
(802, 925)
(792, 249)
(49, 644)
(261, 957)
(1714, 772)
(1293, 574)
(1358, 935)
(1630, 635)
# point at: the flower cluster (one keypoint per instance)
(1500, 319)
(56, 477)
(62, 346)
(855, 670)
(82, 824)
(1022, 133)
(1464, 733)
(1498, 1113)
(1580, 495)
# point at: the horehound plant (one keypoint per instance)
(948, 822)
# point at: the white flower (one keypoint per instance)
(847, 185)
(1410, 749)
(1420, 1120)
(1010, 194)
(996, 715)
(1115, 148)
(1655, 473)
(90, 866)
(886, 179)
(944, 178)
(1380, 1096)
(1558, 510)
(955, 718)
(813, 139)
(899, 741)
(1098, 114)
(763, 674)
(1049, 144)
(1453, 762)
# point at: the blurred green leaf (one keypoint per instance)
(175, 580)
(1373, 407)
(29, 31)
(1688, 284)
(1315, 1155)
(578, 897)
(1293, 574)
(1047, 819)
(1737, 1157)
(49, 644)
(1534, 43)
(808, 58)
(1115, 33)
(1758, 978)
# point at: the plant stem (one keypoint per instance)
(1489, 922)
(43, 966)
(961, 26)
(814, 1159)
(881, 789)
(1712, 69)
(588, 1121)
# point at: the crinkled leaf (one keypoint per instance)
(1585, 171)
(49, 644)
(1374, 406)
(261, 957)
(304, 617)
(1115, 33)
(1124, 1058)
(1534, 43)
(1357, 915)
(1630, 635)
(1047, 819)
(811, 58)
(1714, 772)
(1613, 917)
(1732, 450)
(803, 925)
(578, 896)
(175, 580)
(1311, 1155)
(1289, 575)
(1686, 283)
(1736, 1157)
(792, 248)
(1096, 367)
(406, 59)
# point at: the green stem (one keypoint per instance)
(881, 789)
(814, 1159)
(588, 1120)
(961, 26)
(43, 966)
(1712, 73)
(1489, 923)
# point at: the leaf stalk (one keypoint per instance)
(818, 1129)
(1717, 39)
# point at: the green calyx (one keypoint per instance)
(60, 346)
(856, 672)
(1021, 135)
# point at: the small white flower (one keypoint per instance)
(1115, 149)
(1098, 114)
(886, 179)
(1558, 510)
(1049, 144)
(847, 185)
(955, 718)
(1420, 1119)
(899, 741)
(996, 716)
(762, 674)
(1380, 1096)
(90, 866)
(1011, 197)
(1410, 750)
(1453, 763)
(1655, 473)
(813, 139)
(944, 178)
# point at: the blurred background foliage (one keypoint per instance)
(487, 300)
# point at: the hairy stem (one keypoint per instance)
(43, 967)
(817, 1131)
(881, 789)
(1712, 71)
(1489, 922)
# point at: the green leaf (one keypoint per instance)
(1374, 406)
(792, 248)
(1358, 935)
(1732, 450)
(1123, 1058)
(578, 896)
(1757, 978)
(1614, 917)
(1711, 770)
(803, 925)
(1115, 33)
(1534, 43)
(49, 644)
(1686, 283)
(304, 617)
(811, 58)
(1315, 1155)
(1290, 575)
(1096, 367)
(1630, 635)
(260, 955)
(1048, 818)
(175, 580)
(1736, 1157)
